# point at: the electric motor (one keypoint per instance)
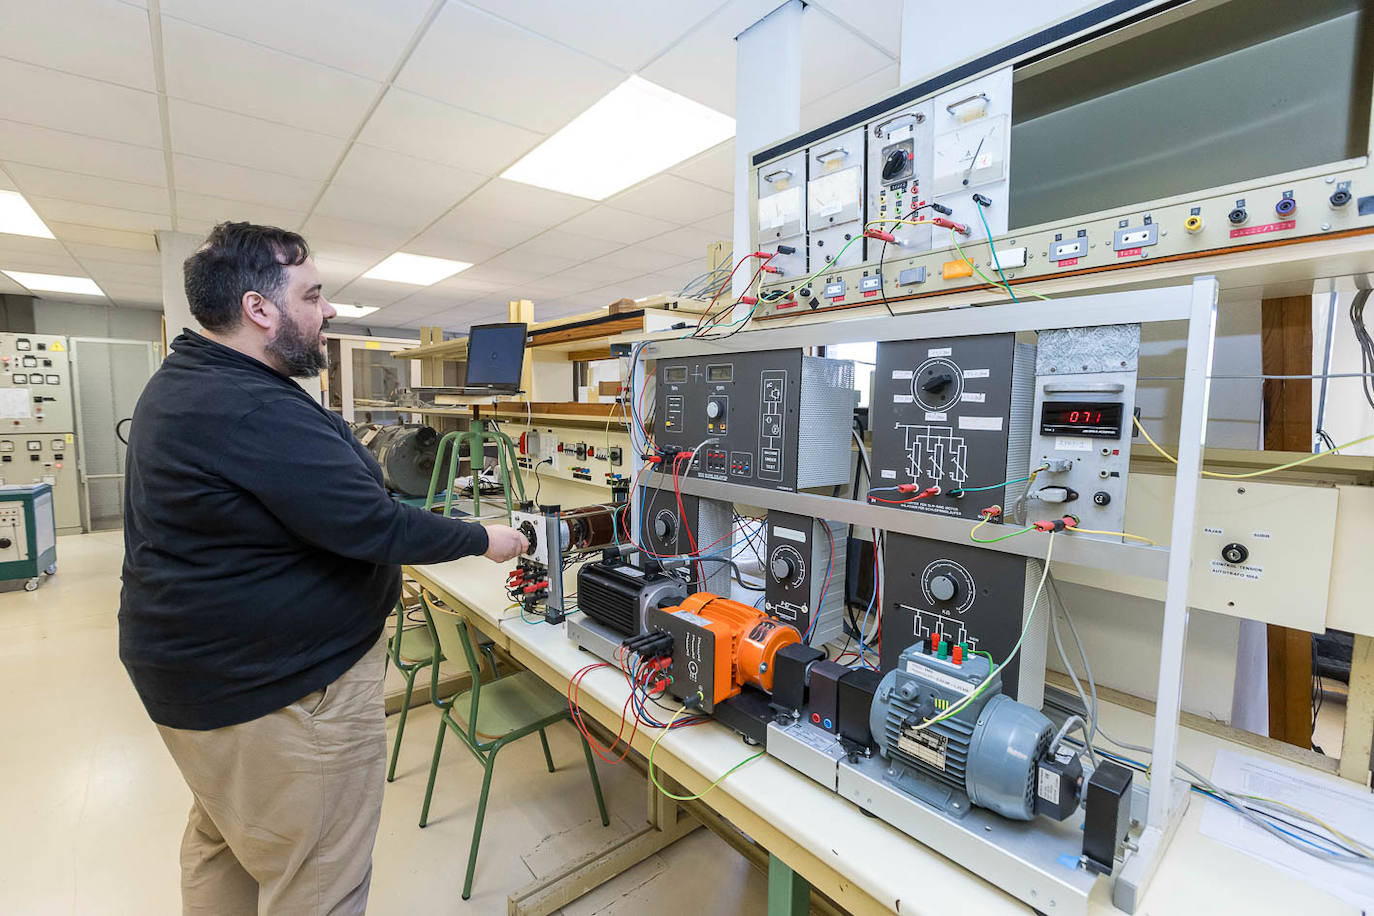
(988, 751)
(618, 595)
(406, 454)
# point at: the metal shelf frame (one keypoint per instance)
(1196, 304)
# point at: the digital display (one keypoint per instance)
(1081, 418)
(720, 373)
(675, 374)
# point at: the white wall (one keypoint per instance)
(85, 319)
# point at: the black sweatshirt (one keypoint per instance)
(261, 548)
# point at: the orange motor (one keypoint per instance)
(744, 640)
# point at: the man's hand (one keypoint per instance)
(505, 543)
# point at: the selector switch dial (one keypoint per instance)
(943, 588)
(787, 567)
(665, 528)
(713, 409)
(937, 384)
(946, 585)
(1235, 554)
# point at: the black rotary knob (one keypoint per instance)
(663, 528)
(5, 542)
(942, 588)
(1235, 553)
(894, 163)
(782, 568)
(1101, 498)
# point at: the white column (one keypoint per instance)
(174, 248)
(767, 105)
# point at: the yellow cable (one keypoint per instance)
(1282, 467)
(1349, 840)
(1133, 537)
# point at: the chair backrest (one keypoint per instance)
(450, 632)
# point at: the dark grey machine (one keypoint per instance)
(406, 454)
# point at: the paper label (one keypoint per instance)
(1261, 535)
(1210, 530)
(1072, 444)
(940, 351)
(1047, 786)
(1248, 571)
(14, 403)
(973, 397)
(899, 374)
(1268, 227)
(977, 373)
(924, 745)
(789, 534)
(1068, 262)
(986, 423)
(902, 399)
(1128, 252)
(631, 571)
(887, 474)
(936, 417)
(941, 678)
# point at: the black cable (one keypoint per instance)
(539, 484)
(882, 278)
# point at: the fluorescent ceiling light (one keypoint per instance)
(415, 269)
(54, 283)
(18, 218)
(636, 130)
(353, 311)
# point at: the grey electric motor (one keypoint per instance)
(406, 454)
(987, 753)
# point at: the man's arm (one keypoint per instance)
(316, 484)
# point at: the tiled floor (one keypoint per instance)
(92, 809)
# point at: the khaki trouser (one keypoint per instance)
(286, 806)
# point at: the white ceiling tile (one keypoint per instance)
(379, 184)
(77, 153)
(670, 197)
(624, 33)
(501, 199)
(715, 167)
(251, 142)
(879, 20)
(87, 252)
(219, 210)
(366, 204)
(374, 292)
(597, 273)
(35, 181)
(5, 183)
(67, 211)
(687, 242)
(102, 271)
(437, 246)
(49, 98)
(320, 228)
(502, 276)
(103, 40)
(417, 126)
(823, 38)
(120, 244)
(53, 262)
(640, 259)
(466, 53)
(614, 225)
(360, 36)
(456, 232)
(8, 286)
(532, 262)
(235, 182)
(569, 245)
(121, 291)
(722, 225)
(199, 227)
(216, 69)
(28, 245)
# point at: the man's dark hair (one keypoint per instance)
(238, 258)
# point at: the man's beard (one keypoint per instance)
(300, 354)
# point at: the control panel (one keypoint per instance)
(668, 533)
(746, 411)
(14, 536)
(35, 384)
(970, 597)
(1080, 454)
(45, 458)
(950, 419)
(804, 575)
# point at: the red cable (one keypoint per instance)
(716, 318)
(682, 517)
(723, 288)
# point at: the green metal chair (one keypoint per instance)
(490, 716)
(411, 650)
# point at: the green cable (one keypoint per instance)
(995, 263)
(1000, 537)
(654, 779)
(1005, 483)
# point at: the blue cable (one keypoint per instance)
(988, 230)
